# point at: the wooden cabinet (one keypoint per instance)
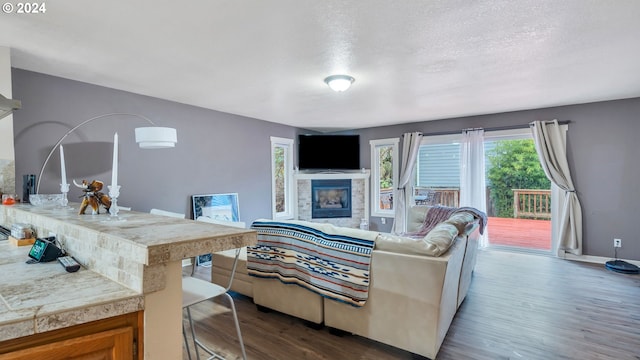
(108, 345)
(117, 338)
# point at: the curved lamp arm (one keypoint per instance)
(79, 125)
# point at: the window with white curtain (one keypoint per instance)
(384, 175)
(437, 177)
(281, 178)
(437, 174)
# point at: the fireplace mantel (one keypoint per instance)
(359, 196)
(359, 174)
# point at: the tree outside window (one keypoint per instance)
(384, 175)
(278, 165)
(281, 168)
(513, 164)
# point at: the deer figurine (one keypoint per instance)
(92, 196)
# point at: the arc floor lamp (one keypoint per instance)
(8, 105)
(150, 137)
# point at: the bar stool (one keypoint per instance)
(197, 290)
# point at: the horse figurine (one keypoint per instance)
(92, 196)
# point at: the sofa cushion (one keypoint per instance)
(415, 217)
(463, 221)
(435, 243)
(224, 259)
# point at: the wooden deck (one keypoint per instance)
(522, 233)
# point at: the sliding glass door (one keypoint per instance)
(518, 192)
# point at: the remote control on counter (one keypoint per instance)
(70, 264)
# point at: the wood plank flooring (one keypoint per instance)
(519, 306)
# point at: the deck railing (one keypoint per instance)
(528, 203)
(437, 196)
(386, 199)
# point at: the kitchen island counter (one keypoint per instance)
(131, 262)
(41, 297)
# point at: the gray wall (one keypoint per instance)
(603, 154)
(216, 152)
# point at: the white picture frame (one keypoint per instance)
(218, 207)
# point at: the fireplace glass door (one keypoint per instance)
(331, 198)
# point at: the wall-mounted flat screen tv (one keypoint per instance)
(329, 152)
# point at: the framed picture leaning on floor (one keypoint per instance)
(218, 207)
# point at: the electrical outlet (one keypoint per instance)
(617, 243)
(383, 220)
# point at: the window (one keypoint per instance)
(437, 175)
(281, 167)
(384, 176)
(437, 178)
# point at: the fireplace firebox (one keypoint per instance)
(331, 198)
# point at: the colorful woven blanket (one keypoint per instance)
(332, 265)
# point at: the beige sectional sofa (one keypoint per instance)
(412, 297)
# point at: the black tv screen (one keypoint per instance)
(329, 152)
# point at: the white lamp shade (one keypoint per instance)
(156, 137)
(339, 82)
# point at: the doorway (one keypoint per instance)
(518, 192)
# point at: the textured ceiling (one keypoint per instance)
(412, 60)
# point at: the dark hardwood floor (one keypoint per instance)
(519, 306)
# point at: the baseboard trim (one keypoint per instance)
(594, 259)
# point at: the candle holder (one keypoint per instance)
(64, 203)
(114, 192)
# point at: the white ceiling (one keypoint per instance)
(412, 60)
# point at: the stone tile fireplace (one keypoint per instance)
(341, 199)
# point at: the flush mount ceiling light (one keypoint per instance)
(339, 82)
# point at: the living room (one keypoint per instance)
(221, 152)
(236, 151)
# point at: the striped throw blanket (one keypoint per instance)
(333, 265)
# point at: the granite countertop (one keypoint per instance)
(39, 297)
(123, 261)
(146, 238)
